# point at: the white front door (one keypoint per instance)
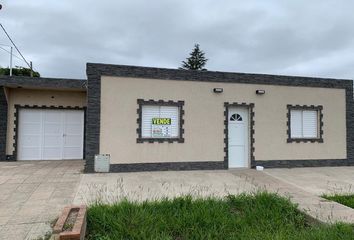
(46, 134)
(238, 137)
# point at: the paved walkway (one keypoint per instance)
(140, 186)
(303, 186)
(309, 201)
(32, 194)
(320, 180)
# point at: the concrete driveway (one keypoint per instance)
(302, 186)
(141, 186)
(319, 180)
(151, 185)
(32, 194)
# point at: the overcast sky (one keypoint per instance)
(309, 38)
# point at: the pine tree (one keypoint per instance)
(196, 61)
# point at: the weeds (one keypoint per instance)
(347, 199)
(247, 216)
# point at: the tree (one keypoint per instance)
(18, 71)
(196, 60)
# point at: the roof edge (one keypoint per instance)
(43, 83)
(118, 70)
(44, 78)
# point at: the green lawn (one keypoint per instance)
(258, 216)
(347, 200)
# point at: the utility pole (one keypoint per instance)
(31, 68)
(10, 52)
(10, 61)
(11, 56)
(13, 44)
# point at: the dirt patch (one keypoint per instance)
(70, 221)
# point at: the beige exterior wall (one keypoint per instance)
(204, 120)
(40, 98)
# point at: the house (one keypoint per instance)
(41, 118)
(167, 119)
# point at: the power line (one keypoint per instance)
(10, 53)
(24, 59)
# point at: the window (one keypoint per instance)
(305, 123)
(236, 117)
(160, 121)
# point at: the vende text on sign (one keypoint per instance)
(161, 121)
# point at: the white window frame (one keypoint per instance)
(301, 130)
(149, 112)
(162, 109)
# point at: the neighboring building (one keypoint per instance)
(41, 118)
(166, 119)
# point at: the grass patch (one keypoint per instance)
(347, 200)
(259, 216)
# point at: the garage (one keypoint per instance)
(50, 134)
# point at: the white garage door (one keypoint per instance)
(46, 134)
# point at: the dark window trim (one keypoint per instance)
(179, 104)
(320, 123)
(16, 116)
(250, 106)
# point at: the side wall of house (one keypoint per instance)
(204, 120)
(47, 98)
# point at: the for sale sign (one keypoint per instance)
(161, 127)
(161, 121)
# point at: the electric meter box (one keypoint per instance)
(102, 162)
